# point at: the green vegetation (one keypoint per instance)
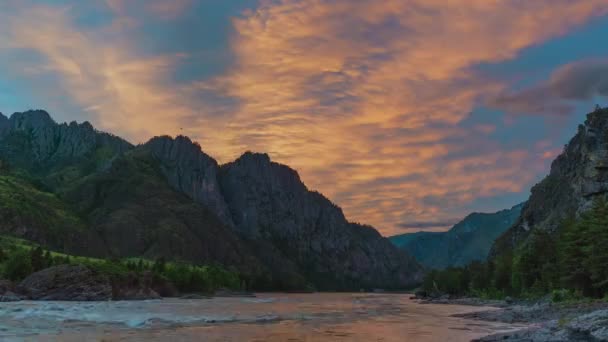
(19, 258)
(21, 200)
(568, 266)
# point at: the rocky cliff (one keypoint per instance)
(189, 170)
(469, 240)
(268, 201)
(578, 175)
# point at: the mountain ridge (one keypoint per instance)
(147, 199)
(469, 240)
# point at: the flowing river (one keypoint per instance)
(268, 317)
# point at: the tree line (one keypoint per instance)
(16, 263)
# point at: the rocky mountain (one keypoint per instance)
(469, 240)
(34, 142)
(78, 190)
(578, 175)
(268, 201)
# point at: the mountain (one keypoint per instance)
(469, 240)
(77, 190)
(578, 176)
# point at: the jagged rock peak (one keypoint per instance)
(4, 123)
(179, 147)
(598, 118)
(255, 156)
(259, 164)
(34, 119)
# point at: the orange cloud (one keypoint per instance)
(364, 98)
(353, 92)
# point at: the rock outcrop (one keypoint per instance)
(469, 240)
(82, 283)
(68, 282)
(189, 170)
(578, 175)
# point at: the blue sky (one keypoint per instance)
(407, 113)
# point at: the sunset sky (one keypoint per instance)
(409, 114)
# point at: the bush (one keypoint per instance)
(564, 295)
(17, 266)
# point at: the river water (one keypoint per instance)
(268, 317)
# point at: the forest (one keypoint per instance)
(569, 264)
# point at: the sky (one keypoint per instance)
(409, 114)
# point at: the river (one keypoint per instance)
(268, 317)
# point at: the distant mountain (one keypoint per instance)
(469, 240)
(77, 190)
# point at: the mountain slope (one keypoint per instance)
(578, 175)
(167, 198)
(469, 240)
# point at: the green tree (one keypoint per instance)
(596, 261)
(18, 266)
(535, 264)
(48, 258)
(503, 267)
(159, 265)
(37, 259)
(573, 243)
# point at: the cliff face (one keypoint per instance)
(190, 171)
(469, 240)
(577, 176)
(268, 201)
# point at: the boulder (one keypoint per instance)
(134, 287)
(9, 292)
(81, 283)
(594, 325)
(68, 282)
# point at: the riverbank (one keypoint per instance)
(555, 322)
(546, 321)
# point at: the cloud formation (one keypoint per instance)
(366, 99)
(578, 81)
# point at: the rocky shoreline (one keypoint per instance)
(547, 321)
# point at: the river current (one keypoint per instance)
(267, 317)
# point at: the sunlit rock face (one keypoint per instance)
(578, 175)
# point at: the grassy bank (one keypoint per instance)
(19, 258)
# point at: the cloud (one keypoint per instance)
(427, 225)
(161, 9)
(365, 98)
(121, 90)
(578, 81)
